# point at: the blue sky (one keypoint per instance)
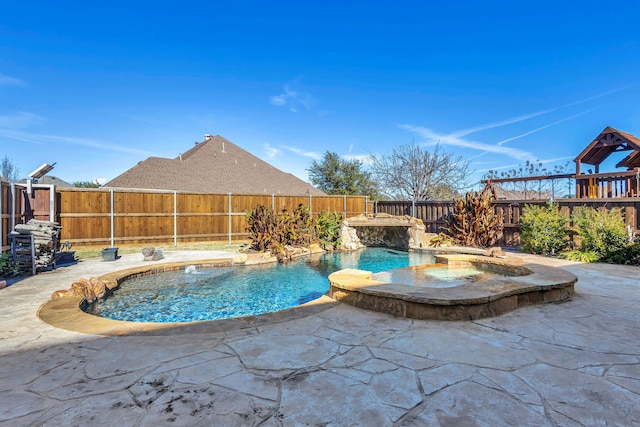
(98, 86)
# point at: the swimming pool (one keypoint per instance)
(229, 292)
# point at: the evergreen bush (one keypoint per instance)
(600, 231)
(629, 255)
(543, 229)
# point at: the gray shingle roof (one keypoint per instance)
(49, 180)
(213, 166)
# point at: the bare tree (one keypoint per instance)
(544, 188)
(411, 173)
(9, 170)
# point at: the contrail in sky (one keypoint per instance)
(456, 138)
(40, 139)
(504, 141)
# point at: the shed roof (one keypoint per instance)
(215, 165)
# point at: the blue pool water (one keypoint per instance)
(228, 292)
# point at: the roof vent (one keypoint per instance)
(207, 136)
(223, 148)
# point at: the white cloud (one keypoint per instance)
(271, 151)
(281, 100)
(287, 99)
(40, 139)
(20, 120)
(311, 154)
(10, 81)
(432, 138)
(294, 99)
(365, 159)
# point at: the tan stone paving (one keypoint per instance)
(570, 364)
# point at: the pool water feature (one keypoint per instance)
(238, 291)
(439, 275)
(403, 294)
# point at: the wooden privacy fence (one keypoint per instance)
(434, 214)
(128, 217)
(112, 217)
(5, 213)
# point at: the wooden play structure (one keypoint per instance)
(593, 184)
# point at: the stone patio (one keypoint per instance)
(572, 364)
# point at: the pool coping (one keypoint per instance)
(66, 312)
(477, 300)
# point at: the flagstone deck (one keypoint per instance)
(572, 363)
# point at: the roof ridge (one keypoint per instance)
(214, 165)
(198, 145)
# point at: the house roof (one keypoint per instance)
(49, 180)
(611, 140)
(213, 166)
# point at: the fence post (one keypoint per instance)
(175, 218)
(2, 231)
(344, 206)
(273, 202)
(366, 205)
(112, 239)
(52, 200)
(229, 220)
(413, 207)
(13, 207)
(310, 204)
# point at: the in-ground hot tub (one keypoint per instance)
(526, 284)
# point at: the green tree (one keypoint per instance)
(10, 171)
(411, 173)
(335, 175)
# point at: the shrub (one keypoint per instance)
(600, 231)
(580, 255)
(327, 229)
(543, 229)
(7, 267)
(474, 221)
(297, 227)
(629, 255)
(262, 224)
(274, 232)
